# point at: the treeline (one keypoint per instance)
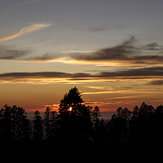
(78, 124)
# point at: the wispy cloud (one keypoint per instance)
(40, 77)
(138, 91)
(128, 97)
(27, 30)
(147, 74)
(12, 53)
(41, 43)
(76, 52)
(100, 88)
(156, 82)
(127, 54)
(8, 53)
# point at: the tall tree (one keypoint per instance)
(119, 127)
(27, 130)
(7, 123)
(2, 124)
(53, 118)
(37, 127)
(74, 117)
(47, 123)
(19, 119)
(14, 122)
(71, 99)
(95, 116)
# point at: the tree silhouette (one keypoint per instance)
(79, 127)
(71, 99)
(96, 124)
(19, 120)
(7, 124)
(27, 130)
(95, 115)
(47, 123)
(74, 119)
(37, 127)
(53, 119)
(14, 124)
(119, 132)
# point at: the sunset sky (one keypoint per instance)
(111, 50)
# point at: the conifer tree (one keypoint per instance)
(53, 119)
(47, 123)
(74, 119)
(37, 127)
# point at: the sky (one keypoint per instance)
(111, 50)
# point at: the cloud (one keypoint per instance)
(109, 53)
(151, 73)
(7, 53)
(45, 42)
(140, 73)
(100, 28)
(100, 88)
(40, 77)
(97, 29)
(27, 30)
(142, 91)
(127, 54)
(156, 82)
(10, 53)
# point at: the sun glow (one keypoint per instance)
(70, 109)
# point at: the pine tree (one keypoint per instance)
(74, 119)
(37, 127)
(27, 130)
(96, 123)
(95, 116)
(53, 118)
(7, 123)
(72, 99)
(47, 123)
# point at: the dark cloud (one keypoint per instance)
(143, 73)
(156, 82)
(126, 54)
(106, 27)
(36, 75)
(135, 73)
(45, 57)
(118, 52)
(7, 53)
(96, 29)
(152, 46)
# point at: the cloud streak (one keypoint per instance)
(27, 30)
(10, 53)
(151, 74)
(100, 88)
(126, 54)
(156, 82)
(7, 53)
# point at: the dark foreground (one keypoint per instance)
(76, 134)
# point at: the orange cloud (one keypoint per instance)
(27, 30)
(148, 74)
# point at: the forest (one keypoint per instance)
(77, 125)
